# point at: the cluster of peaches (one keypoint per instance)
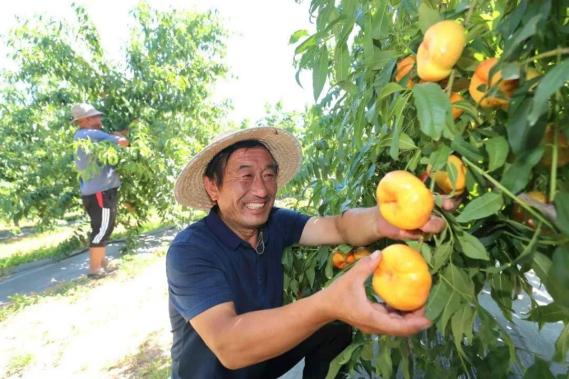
(402, 278)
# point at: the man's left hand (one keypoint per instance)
(434, 225)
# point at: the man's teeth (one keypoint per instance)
(255, 205)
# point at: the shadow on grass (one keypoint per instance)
(151, 361)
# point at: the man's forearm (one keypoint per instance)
(254, 337)
(358, 226)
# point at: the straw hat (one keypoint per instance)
(284, 147)
(83, 110)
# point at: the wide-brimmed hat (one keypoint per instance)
(284, 147)
(83, 110)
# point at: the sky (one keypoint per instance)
(259, 56)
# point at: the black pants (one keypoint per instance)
(102, 210)
(318, 351)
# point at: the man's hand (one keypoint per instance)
(346, 300)
(122, 134)
(433, 226)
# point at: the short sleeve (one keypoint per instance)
(99, 135)
(196, 281)
(291, 224)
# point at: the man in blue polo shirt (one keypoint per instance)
(225, 276)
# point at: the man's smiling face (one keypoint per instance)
(248, 191)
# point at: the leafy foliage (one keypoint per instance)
(160, 94)
(370, 125)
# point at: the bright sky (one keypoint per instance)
(258, 52)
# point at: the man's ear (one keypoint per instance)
(211, 188)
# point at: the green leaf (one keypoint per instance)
(453, 304)
(529, 29)
(405, 142)
(342, 62)
(548, 313)
(562, 345)
(433, 107)
(380, 59)
(486, 205)
(541, 265)
(465, 149)
(384, 362)
(438, 158)
(461, 324)
(296, 36)
(548, 85)
(497, 149)
(388, 89)
(539, 370)
(341, 359)
(441, 256)
(517, 175)
(310, 275)
(562, 209)
(438, 298)
(558, 276)
(306, 44)
(320, 73)
(427, 16)
(472, 247)
(460, 282)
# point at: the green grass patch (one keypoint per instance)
(128, 267)
(59, 251)
(18, 363)
(75, 243)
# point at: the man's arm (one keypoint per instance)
(360, 227)
(245, 339)
(122, 141)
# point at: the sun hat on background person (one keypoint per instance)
(283, 146)
(84, 110)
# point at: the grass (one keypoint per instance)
(129, 266)
(150, 361)
(68, 246)
(58, 251)
(19, 363)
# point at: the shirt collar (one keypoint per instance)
(224, 233)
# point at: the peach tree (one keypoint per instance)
(160, 93)
(378, 111)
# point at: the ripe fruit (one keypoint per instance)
(532, 73)
(402, 278)
(440, 50)
(456, 112)
(341, 260)
(562, 150)
(521, 215)
(442, 178)
(360, 252)
(481, 77)
(130, 207)
(338, 259)
(404, 66)
(404, 200)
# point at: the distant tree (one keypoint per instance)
(160, 93)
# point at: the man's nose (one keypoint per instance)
(259, 187)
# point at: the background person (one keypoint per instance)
(225, 275)
(99, 184)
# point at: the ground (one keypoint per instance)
(117, 327)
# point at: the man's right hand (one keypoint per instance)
(345, 299)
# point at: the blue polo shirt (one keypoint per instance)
(208, 264)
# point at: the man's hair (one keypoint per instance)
(216, 167)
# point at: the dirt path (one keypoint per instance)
(117, 327)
